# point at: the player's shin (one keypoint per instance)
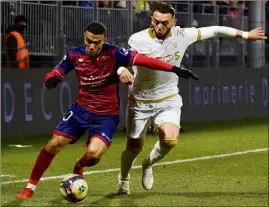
(128, 157)
(43, 161)
(160, 150)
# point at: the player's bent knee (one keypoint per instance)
(135, 145)
(169, 143)
(56, 144)
(173, 134)
(168, 131)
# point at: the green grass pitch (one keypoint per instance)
(234, 180)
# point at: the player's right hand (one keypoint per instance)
(52, 79)
(52, 83)
(126, 77)
(184, 73)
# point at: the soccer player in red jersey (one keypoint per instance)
(96, 107)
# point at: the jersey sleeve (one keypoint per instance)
(191, 35)
(66, 64)
(131, 44)
(123, 56)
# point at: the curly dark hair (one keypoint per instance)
(161, 7)
(96, 28)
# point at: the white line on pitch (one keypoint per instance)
(136, 167)
(10, 176)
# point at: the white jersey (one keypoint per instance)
(155, 85)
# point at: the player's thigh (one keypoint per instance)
(137, 119)
(102, 128)
(168, 119)
(74, 124)
(56, 143)
(137, 122)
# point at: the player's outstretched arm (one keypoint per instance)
(222, 31)
(128, 58)
(155, 64)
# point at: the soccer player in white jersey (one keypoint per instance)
(155, 93)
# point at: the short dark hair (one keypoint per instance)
(97, 28)
(161, 7)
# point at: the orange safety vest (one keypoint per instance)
(22, 56)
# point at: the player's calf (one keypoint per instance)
(95, 150)
(160, 150)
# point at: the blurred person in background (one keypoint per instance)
(16, 52)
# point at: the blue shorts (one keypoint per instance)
(78, 120)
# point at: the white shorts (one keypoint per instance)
(139, 113)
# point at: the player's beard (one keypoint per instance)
(162, 37)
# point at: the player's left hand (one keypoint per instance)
(126, 77)
(182, 72)
(256, 34)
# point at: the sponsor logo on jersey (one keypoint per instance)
(170, 58)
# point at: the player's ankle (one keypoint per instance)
(31, 186)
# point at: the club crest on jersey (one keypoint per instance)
(123, 51)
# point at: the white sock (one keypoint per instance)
(127, 160)
(157, 153)
(31, 186)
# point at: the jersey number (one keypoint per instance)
(68, 115)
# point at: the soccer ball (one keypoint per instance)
(74, 188)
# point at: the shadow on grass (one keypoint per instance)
(130, 200)
(13, 203)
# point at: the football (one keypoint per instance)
(74, 188)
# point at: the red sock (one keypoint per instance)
(42, 163)
(85, 162)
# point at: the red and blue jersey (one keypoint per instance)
(97, 76)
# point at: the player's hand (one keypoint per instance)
(126, 77)
(52, 79)
(256, 34)
(52, 83)
(184, 73)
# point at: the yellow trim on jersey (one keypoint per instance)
(157, 100)
(199, 36)
(168, 122)
(152, 35)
